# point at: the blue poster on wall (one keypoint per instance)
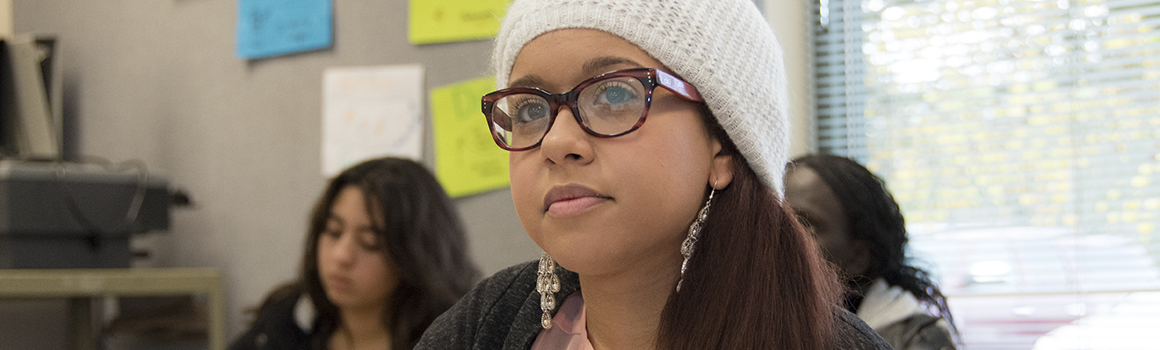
(278, 27)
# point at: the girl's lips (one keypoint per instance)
(572, 199)
(338, 282)
(574, 206)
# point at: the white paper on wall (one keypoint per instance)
(370, 112)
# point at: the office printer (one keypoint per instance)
(57, 214)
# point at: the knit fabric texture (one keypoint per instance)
(725, 48)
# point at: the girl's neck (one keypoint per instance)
(361, 329)
(623, 309)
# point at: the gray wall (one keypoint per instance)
(158, 80)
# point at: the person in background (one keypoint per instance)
(385, 255)
(861, 230)
(648, 140)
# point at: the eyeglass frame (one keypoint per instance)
(648, 77)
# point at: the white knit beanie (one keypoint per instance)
(723, 47)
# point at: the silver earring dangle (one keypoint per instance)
(547, 284)
(694, 232)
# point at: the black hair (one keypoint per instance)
(424, 240)
(875, 219)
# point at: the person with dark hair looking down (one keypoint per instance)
(385, 255)
(861, 230)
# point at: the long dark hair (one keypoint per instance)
(876, 220)
(424, 239)
(756, 279)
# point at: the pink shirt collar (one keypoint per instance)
(569, 329)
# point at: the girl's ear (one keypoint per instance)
(721, 169)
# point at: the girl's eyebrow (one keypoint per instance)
(529, 81)
(597, 65)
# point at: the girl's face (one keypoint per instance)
(602, 205)
(352, 261)
(821, 212)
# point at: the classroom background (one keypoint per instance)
(1030, 196)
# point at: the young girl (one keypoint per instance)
(385, 254)
(648, 141)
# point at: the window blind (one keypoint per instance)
(1022, 140)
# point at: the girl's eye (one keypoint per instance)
(370, 242)
(332, 231)
(615, 95)
(530, 109)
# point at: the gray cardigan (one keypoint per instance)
(503, 312)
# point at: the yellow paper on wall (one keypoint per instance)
(467, 161)
(439, 21)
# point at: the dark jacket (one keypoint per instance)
(503, 312)
(274, 327)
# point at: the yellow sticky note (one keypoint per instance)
(440, 21)
(467, 161)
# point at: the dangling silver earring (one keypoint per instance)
(547, 284)
(694, 232)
